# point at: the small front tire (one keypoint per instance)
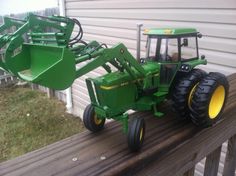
(136, 134)
(91, 121)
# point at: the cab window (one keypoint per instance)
(188, 48)
(169, 50)
(162, 49)
(152, 48)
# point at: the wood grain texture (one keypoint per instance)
(212, 162)
(171, 147)
(230, 161)
(190, 172)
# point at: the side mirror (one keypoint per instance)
(203, 57)
(185, 42)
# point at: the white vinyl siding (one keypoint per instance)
(113, 21)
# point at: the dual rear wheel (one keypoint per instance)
(200, 97)
(209, 100)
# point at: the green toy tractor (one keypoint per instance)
(54, 59)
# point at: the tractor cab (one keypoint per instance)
(174, 49)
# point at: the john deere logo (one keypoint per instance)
(167, 31)
(146, 31)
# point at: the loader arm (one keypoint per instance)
(7, 25)
(10, 22)
(52, 59)
(118, 56)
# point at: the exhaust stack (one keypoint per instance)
(139, 26)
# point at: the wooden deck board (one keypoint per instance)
(162, 135)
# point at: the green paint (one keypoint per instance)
(169, 31)
(50, 61)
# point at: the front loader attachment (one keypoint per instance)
(50, 66)
(38, 51)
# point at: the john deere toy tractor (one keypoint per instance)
(53, 59)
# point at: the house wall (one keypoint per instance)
(113, 21)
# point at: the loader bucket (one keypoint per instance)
(49, 66)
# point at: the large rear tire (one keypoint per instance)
(209, 99)
(91, 121)
(183, 91)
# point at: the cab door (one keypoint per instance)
(167, 73)
(170, 61)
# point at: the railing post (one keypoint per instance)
(212, 163)
(190, 172)
(230, 160)
(50, 93)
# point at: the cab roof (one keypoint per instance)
(169, 31)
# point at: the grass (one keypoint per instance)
(29, 120)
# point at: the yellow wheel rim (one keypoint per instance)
(97, 120)
(190, 97)
(141, 134)
(217, 101)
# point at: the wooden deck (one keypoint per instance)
(171, 147)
